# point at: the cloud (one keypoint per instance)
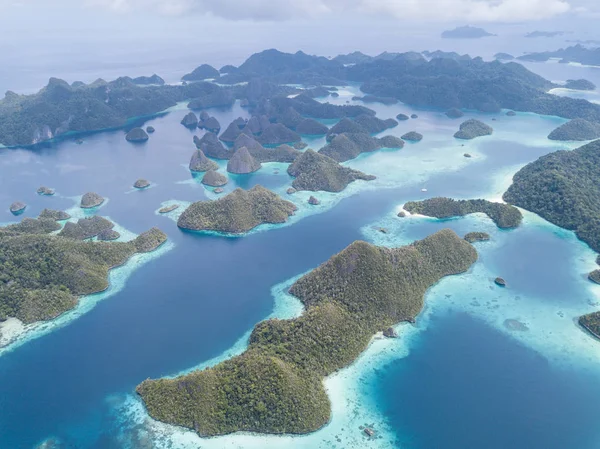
(430, 10)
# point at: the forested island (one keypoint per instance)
(42, 275)
(261, 83)
(276, 385)
(503, 215)
(576, 53)
(466, 32)
(238, 212)
(564, 188)
(315, 171)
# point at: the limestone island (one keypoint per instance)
(402, 117)
(56, 270)
(86, 228)
(91, 199)
(141, 184)
(346, 146)
(238, 212)
(472, 128)
(150, 129)
(282, 153)
(503, 215)
(242, 162)
(211, 146)
(412, 136)
(466, 32)
(454, 113)
(594, 276)
(108, 235)
(580, 84)
(56, 215)
(213, 178)
(576, 129)
(473, 237)
(136, 135)
(167, 209)
(17, 207)
(591, 322)
(276, 386)
(190, 120)
(314, 171)
(311, 127)
(564, 188)
(199, 162)
(45, 191)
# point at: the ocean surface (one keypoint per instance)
(460, 378)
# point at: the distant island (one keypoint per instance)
(503, 215)
(564, 188)
(576, 129)
(466, 32)
(276, 385)
(533, 34)
(238, 212)
(44, 274)
(282, 113)
(576, 53)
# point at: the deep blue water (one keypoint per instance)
(467, 386)
(194, 302)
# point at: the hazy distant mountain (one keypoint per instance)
(466, 32)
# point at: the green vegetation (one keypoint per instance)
(242, 162)
(576, 129)
(238, 212)
(580, 84)
(412, 136)
(57, 215)
(564, 188)
(276, 385)
(504, 215)
(591, 322)
(595, 276)
(473, 237)
(346, 146)
(199, 162)
(314, 171)
(86, 228)
(472, 128)
(42, 275)
(136, 135)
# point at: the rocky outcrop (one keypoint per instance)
(213, 178)
(141, 184)
(242, 162)
(473, 237)
(45, 191)
(210, 124)
(199, 162)
(313, 201)
(190, 120)
(402, 117)
(167, 209)
(314, 171)
(472, 128)
(150, 240)
(136, 135)
(375, 125)
(511, 113)
(212, 146)
(454, 113)
(348, 126)
(238, 212)
(150, 129)
(17, 207)
(91, 199)
(412, 136)
(500, 282)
